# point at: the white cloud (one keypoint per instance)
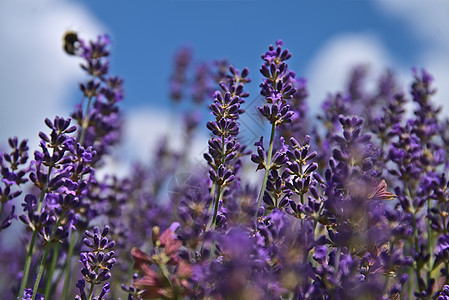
(143, 131)
(429, 21)
(328, 71)
(145, 127)
(439, 68)
(36, 76)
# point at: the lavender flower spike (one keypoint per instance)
(277, 88)
(223, 147)
(12, 177)
(97, 262)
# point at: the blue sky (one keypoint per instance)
(147, 33)
(326, 37)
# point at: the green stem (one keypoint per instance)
(415, 230)
(40, 272)
(429, 240)
(214, 216)
(219, 189)
(267, 170)
(316, 220)
(26, 268)
(44, 257)
(416, 246)
(44, 190)
(49, 281)
(1, 209)
(91, 292)
(302, 176)
(447, 276)
(165, 272)
(85, 121)
(387, 276)
(212, 193)
(410, 284)
(68, 265)
(445, 232)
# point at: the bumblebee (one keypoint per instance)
(71, 42)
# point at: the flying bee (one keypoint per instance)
(71, 42)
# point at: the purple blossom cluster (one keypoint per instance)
(12, 177)
(224, 146)
(352, 203)
(97, 263)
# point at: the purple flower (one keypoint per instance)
(320, 254)
(13, 174)
(100, 119)
(300, 123)
(442, 249)
(178, 78)
(97, 262)
(28, 293)
(444, 293)
(224, 146)
(277, 87)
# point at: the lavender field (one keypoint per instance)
(351, 203)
